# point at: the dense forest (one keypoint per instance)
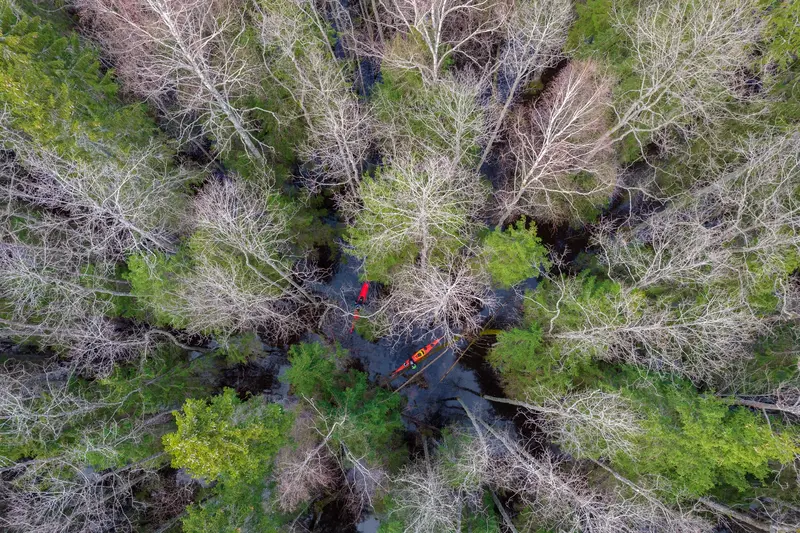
(225, 223)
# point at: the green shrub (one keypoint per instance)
(515, 254)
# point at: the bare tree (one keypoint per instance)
(445, 120)
(251, 220)
(431, 32)
(339, 132)
(57, 496)
(338, 142)
(128, 202)
(64, 226)
(42, 407)
(42, 280)
(559, 159)
(222, 296)
(322, 460)
(167, 500)
(689, 57)
(437, 489)
(447, 299)
(50, 301)
(426, 501)
(590, 423)
(298, 56)
(305, 468)
(700, 339)
(248, 275)
(363, 482)
(424, 204)
(190, 50)
(554, 493)
(54, 298)
(743, 214)
(535, 32)
(37, 404)
(558, 496)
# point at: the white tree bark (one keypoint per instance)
(558, 139)
(443, 28)
(689, 57)
(535, 32)
(191, 49)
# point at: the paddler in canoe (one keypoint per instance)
(418, 356)
(361, 300)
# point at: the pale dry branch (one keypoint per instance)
(189, 51)
(702, 340)
(559, 160)
(129, 203)
(446, 299)
(305, 468)
(428, 204)
(426, 501)
(443, 28)
(535, 32)
(294, 37)
(586, 424)
(447, 122)
(690, 57)
(559, 497)
(60, 497)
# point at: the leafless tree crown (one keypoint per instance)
(191, 51)
(557, 140)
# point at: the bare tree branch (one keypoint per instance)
(189, 50)
(556, 143)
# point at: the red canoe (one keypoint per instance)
(361, 300)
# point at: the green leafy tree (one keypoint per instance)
(160, 382)
(313, 369)
(526, 363)
(372, 417)
(155, 281)
(700, 443)
(543, 354)
(594, 34)
(515, 254)
(367, 418)
(589, 291)
(236, 271)
(783, 32)
(234, 507)
(225, 438)
(55, 92)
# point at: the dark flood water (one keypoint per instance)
(445, 375)
(459, 371)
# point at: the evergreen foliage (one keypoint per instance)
(368, 416)
(515, 254)
(225, 438)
